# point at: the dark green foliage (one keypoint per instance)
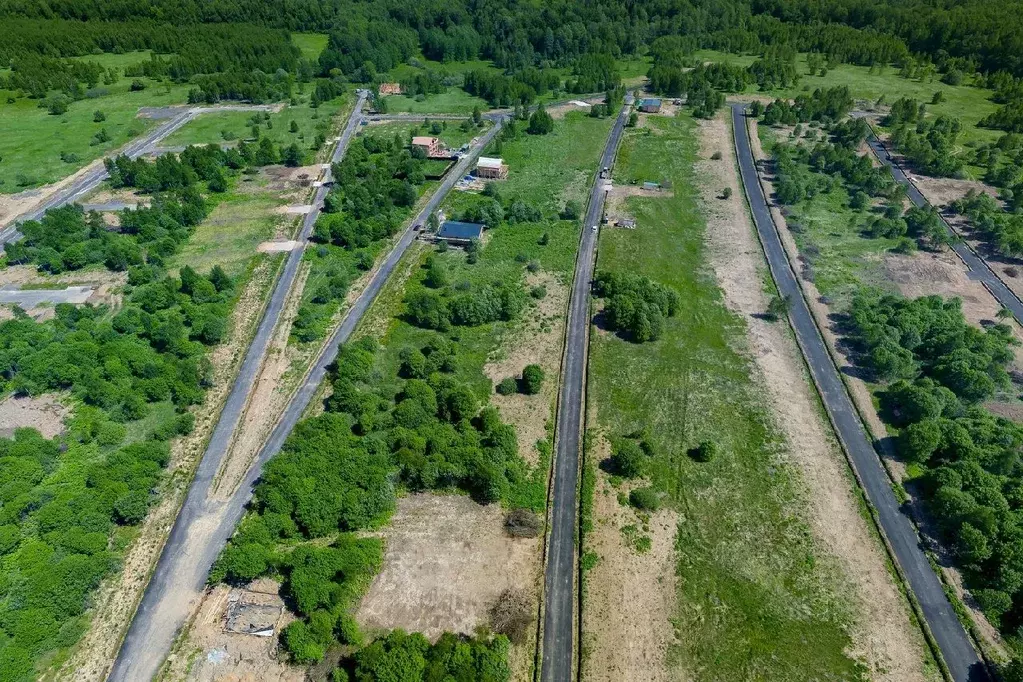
(540, 122)
(645, 499)
(532, 379)
(704, 452)
(930, 145)
(1003, 229)
(410, 658)
(636, 306)
(627, 458)
(508, 386)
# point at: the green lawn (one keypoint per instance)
(237, 125)
(454, 101)
(229, 236)
(756, 600)
(311, 44)
(451, 133)
(109, 60)
(33, 140)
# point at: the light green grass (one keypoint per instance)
(310, 44)
(32, 140)
(453, 101)
(222, 126)
(451, 133)
(242, 219)
(109, 60)
(969, 104)
(756, 599)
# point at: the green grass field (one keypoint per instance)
(241, 220)
(237, 125)
(33, 139)
(109, 60)
(311, 44)
(756, 600)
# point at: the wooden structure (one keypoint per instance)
(489, 168)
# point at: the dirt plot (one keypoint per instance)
(447, 562)
(943, 191)
(44, 413)
(283, 178)
(538, 340)
(884, 636)
(216, 648)
(630, 596)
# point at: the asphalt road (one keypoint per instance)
(134, 149)
(203, 525)
(559, 588)
(977, 266)
(948, 632)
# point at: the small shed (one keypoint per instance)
(650, 105)
(459, 232)
(490, 168)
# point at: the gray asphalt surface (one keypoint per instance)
(559, 588)
(204, 525)
(977, 266)
(948, 632)
(134, 149)
(147, 630)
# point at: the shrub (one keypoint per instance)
(626, 458)
(532, 379)
(645, 499)
(507, 386)
(704, 452)
(726, 193)
(716, 156)
(522, 523)
(538, 292)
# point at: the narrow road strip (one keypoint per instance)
(559, 589)
(955, 645)
(203, 526)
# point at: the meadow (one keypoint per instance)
(755, 598)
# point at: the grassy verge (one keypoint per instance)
(756, 601)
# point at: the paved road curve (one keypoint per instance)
(955, 645)
(977, 266)
(559, 600)
(203, 526)
(134, 149)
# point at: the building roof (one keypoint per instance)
(456, 229)
(651, 102)
(424, 141)
(489, 162)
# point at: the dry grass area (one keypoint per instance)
(212, 653)
(115, 601)
(44, 413)
(943, 191)
(885, 637)
(538, 340)
(630, 596)
(13, 205)
(447, 563)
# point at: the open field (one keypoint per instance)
(34, 139)
(311, 44)
(755, 593)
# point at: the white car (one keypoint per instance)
(594, 228)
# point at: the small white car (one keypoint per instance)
(594, 228)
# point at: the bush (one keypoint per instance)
(716, 156)
(99, 117)
(532, 379)
(508, 386)
(572, 210)
(627, 458)
(645, 499)
(522, 523)
(704, 452)
(726, 193)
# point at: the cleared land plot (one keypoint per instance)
(44, 413)
(311, 44)
(757, 597)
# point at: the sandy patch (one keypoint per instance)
(278, 246)
(538, 340)
(884, 636)
(629, 597)
(212, 653)
(282, 178)
(296, 209)
(44, 413)
(446, 564)
(943, 191)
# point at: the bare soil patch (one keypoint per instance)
(885, 638)
(13, 205)
(943, 191)
(538, 340)
(44, 413)
(447, 562)
(282, 178)
(212, 652)
(629, 597)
